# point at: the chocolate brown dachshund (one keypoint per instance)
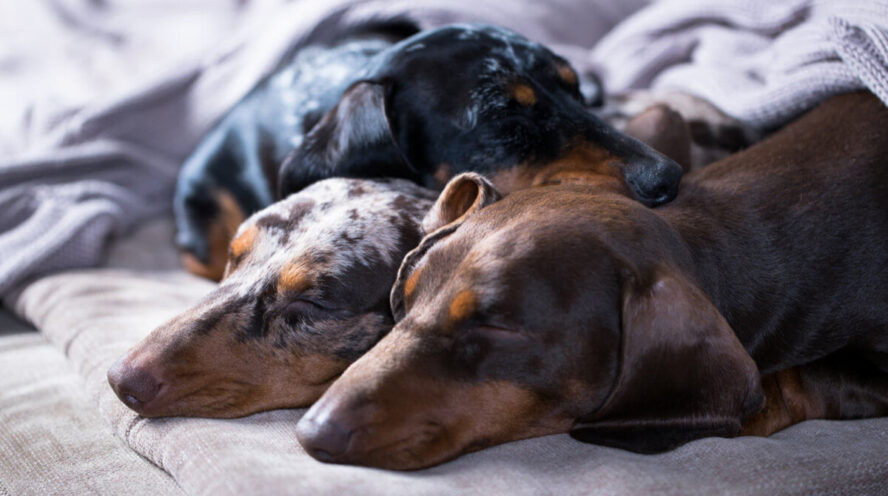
(572, 308)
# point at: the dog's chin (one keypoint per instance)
(418, 447)
(412, 453)
(217, 406)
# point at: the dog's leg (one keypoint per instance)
(836, 387)
(664, 130)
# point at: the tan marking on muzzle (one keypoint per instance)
(514, 178)
(231, 214)
(585, 163)
(219, 233)
(212, 270)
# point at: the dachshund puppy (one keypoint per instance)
(458, 98)
(574, 308)
(305, 293)
(473, 97)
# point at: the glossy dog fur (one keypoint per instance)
(233, 171)
(453, 99)
(305, 293)
(473, 98)
(572, 308)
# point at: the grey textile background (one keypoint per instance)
(760, 61)
(52, 439)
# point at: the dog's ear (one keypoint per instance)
(464, 194)
(353, 139)
(683, 372)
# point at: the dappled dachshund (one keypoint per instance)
(305, 293)
(453, 99)
(572, 308)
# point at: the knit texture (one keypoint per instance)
(763, 62)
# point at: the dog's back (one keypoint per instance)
(799, 226)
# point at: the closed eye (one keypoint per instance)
(305, 307)
(499, 333)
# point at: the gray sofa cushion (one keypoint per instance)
(95, 315)
(52, 439)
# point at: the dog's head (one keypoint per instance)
(305, 293)
(555, 309)
(474, 98)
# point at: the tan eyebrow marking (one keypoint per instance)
(463, 304)
(567, 74)
(524, 94)
(244, 242)
(294, 277)
(410, 283)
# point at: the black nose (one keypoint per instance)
(655, 180)
(326, 440)
(133, 385)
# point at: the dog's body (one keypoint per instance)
(687, 129)
(571, 308)
(305, 293)
(790, 242)
(453, 99)
(233, 171)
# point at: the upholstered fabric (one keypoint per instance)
(52, 438)
(94, 315)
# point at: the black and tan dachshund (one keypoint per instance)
(453, 99)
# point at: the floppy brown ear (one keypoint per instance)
(463, 195)
(353, 139)
(683, 372)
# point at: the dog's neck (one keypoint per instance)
(781, 235)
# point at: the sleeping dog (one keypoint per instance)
(572, 308)
(305, 293)
(453, 99)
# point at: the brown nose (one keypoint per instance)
(133, 385)
(327, 440)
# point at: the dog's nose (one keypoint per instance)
(655, 179)
(326, 440)
(134, 385)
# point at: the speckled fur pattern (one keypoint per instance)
(305, 293)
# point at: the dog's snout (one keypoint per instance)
(329, 430)
(135, 386)
(655, 180)
(325, 440)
